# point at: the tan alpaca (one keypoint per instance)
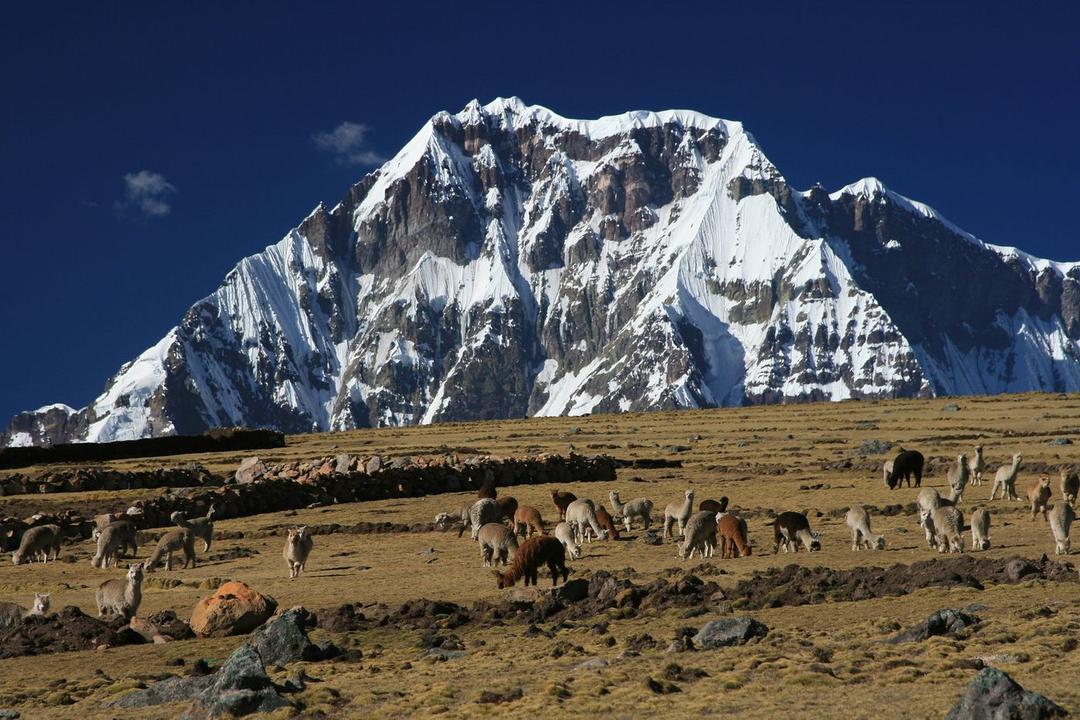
(179, 540)
(38, 542)
(1039, 496)
(121, 597)
(201, 527)
(498, 543)
(677, 513)
(298, 547)
(1070, 486)
(976, 466)
(116, 538)
(1061, 518)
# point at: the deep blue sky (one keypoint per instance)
(971, 108)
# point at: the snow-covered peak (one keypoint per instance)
(873, 189)
(66, 409)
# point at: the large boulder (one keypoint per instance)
(284, 639)
(992, 694)
(250, 470)
(729, 631)
(240, 687)
(234, 609)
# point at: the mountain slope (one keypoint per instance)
(511, 262)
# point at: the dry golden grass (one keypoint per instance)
(816, 658)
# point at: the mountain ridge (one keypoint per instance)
(511, 262)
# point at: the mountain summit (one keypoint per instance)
(510, 262)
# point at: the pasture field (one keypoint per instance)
(826, 659)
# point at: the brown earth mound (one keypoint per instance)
(66, 631)
(800, 585)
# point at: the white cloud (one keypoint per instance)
(348, 143)
(148, 192)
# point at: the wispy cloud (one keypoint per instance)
(147, 193)
(348, 143)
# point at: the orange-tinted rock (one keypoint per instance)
(234, 609)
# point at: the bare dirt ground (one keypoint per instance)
(816, 658)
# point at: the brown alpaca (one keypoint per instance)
(530, 556)
(562, 499)
(713, 505)
(507, 506)
(604, 520)
(487, 490)
(732, 532)
(527, 520)
(1039, 496)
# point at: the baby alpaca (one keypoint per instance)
(565, 534)
(678, 512)
(38, 542)
(732, 532)
(980, 530)
(1039, 496)
(121, 597)
(1005, 479)
(976, 465)
(699, 535)
(298, 545)
(861, 537)
(1061, 519)
(172, 541)
(527, 520)
(12, 613)
(791, 528)
(496, 543)
(946, 523)
(530, 556)
(638, 508)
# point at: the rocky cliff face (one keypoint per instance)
(510, 262)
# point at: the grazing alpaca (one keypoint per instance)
(564, 533)
(496, 543)
(581, 517)
(1070, 486)
(958, 479)
(298, 545)
(605, 521)
(861, 537)
(678, 513)
(12, 614)
(980, 530)
(38, 542)
(487, 490)
(1005, 479)
(180, 539)
(976, 466)
(1039, 496)
(714, 506)
(121, 597)
(1061, 519)
(530, 556)
(481, 513)
(791, 528)
(887, 468)
(732, 532)
(699, 535)
(562, 500)
(527, 520)
(906, 464)
(116, 537)
(507, 507)
(639, 508)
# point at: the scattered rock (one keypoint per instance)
(729, 631)
(674, 671)
(943, 622)
(1061, 441)
(950, 408)
(594, 663)
(571, 592)
(234, 609)
(651, 537)
(68, 630)
(495, 698)
(993, 694)
(170, 690)
(661, 687)
(875, 447)
(250, 470)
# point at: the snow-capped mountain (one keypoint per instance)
(510, 262)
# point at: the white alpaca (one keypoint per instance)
(581, 517)
(699, 535)
(498, 544)
(565, 534)
(861, 536)
(1005, 479)
(887, 470)
(976, 466)
(958, 476)
(678, 513)
(946, 524)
